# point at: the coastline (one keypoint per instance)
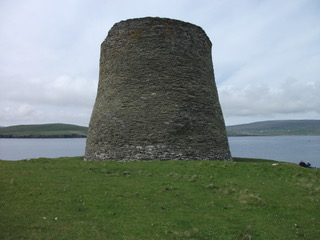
(43, 136)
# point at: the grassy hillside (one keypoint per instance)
(44, 130)
(266, 128)
(68, 198)
(272, 128)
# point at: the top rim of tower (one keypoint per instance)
(131, 22)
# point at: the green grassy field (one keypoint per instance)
(276, 128)
(43, 130)
(68, 198)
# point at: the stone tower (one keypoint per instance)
(157, 97)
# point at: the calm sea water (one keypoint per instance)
(17, 148)
(280, 148)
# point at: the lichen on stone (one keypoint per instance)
(157, 98)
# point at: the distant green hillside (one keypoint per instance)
(56, 130)
(265, 128)
(274, 128)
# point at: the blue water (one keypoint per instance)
(17, 148)
(281, 148)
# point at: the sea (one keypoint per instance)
(280, 148)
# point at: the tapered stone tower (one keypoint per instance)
(157, 97)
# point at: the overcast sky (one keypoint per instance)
(266, 55)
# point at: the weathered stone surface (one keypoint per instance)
(157, 97)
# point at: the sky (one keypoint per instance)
(266, 55)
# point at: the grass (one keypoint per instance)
(68, 198)
(44, 130)
(276, 128)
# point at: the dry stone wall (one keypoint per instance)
(157, 98)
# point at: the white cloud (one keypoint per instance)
(16, 113)
(49, 55)
(290, 97)
(60, 91)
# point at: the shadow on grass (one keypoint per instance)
(237, 159)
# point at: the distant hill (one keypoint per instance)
(276, 128)
(56, 130)
(265, 128)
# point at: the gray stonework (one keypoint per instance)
(157, 98)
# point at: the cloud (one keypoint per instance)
(290, 97)
(60, 91)
(266, 55)
(20, 113)
(62, 99)
(267, 38)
